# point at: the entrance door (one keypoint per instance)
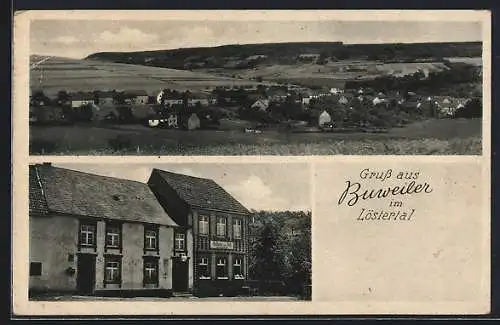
(85, 280)
(180, 275)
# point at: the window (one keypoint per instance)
(221, 269)
(203, 268)
(113, 234)
(238, 268)
(150, 271)
(203, 225)
(87, 234)
(221, 227)
(151, 238)
(35, 268)
(179, 242)
(112, 269)
(237, 228)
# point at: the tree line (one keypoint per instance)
(280, 252)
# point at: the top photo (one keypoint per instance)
(273, 83)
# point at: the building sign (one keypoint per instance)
(221, 244)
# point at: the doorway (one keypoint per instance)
(180, 274)
(85, 280)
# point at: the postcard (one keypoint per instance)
(254, 83)
(188, 163)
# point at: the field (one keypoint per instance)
(436, 137)
(341, 70)
(83, 75)
(474, 61)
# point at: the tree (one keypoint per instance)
(40, 99)
(267, 262)
(62, 97)
(473, 109)
(299, 252)
(280, 250)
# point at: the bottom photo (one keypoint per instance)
(170, 231)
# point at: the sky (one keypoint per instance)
(271, 187)
(79, 38)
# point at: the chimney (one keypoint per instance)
(46, 164)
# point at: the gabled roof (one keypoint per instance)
(37, 203)
(450, 101)
(106, 94)
(201, 192)
(135, 93)
(82, 96)
(77, 193)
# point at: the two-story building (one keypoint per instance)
(213, 231)
(97, 235)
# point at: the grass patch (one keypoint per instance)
(447, 137)
(467, 146)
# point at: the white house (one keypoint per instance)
(261, 104)
(343, 100)
(80, 99)
(324, 118)
(193, 122)
(336, 90)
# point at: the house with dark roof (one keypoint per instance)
(97, 235)
(136, 97)
(81, 98)
(215, 227)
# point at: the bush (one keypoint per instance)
(43, 147)
(473, 109)
(119, 143)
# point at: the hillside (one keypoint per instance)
(306, 64)
(55, 73)
(275, 53)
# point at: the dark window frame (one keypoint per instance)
(241, 266)
(217, 228)
(118, 225)
(93, 224)
(225, 275)
(207, 274)
(234, 220)
(38, 268)
(184, 246)
(156, 263)
(208, 225)
(156, 230)
(113, 259)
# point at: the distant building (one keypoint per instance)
(343, 100)
(214, 227)
(324, 118)
(106, 98)
(261, 104)
(80, 99)
(379, 99)
(136, 97)
(193, 122)
(447, 106)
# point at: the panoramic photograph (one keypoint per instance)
(207, 87)
(169, 232)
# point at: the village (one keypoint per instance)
(250, 109)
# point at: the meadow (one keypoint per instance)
(81, 75)
(436, 137)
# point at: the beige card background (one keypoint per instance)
(436, 263)
(436, 255)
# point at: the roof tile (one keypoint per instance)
(201, 192)
(78, 193)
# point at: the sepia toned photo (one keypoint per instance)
(246, 87)
(251, 162)
(157, 232)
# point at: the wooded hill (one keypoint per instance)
(279, 53)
